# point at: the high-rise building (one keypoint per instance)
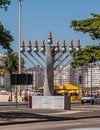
(61, 75)
(38, 77)
(86, 76)
(83, 76)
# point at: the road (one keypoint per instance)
(56, 125)
(79, 106)
(74, 106)
(12, 105)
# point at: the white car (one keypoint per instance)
(88, 99)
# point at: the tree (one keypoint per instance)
(85, 56)
(5, 36)
(11, 62)
(90, 26)
(11, 65)
(89, 53)
(4, 3)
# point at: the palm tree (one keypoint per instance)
(11, 65)
(11, 62)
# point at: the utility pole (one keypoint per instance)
(20, 37)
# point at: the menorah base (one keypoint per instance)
(50, 102)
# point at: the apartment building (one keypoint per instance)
(61, 75)
(38, 77)
(85, 76)
(2, 59)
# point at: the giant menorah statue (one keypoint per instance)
(50, 58)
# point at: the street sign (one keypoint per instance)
(21, 79)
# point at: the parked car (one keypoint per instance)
(97, 99)
(88, 99)
(39, 94)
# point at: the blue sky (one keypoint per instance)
(41, 16)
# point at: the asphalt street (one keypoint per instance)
(12, 115)
(57, 125)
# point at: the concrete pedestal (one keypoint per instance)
(50, 102)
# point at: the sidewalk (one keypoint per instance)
(21, 116)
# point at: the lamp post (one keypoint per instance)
(91, 63)
(20, 38)
(91, 84)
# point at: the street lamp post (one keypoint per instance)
(91, 65)
(20, 38)
(91, 84)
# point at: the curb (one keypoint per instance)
(21, 121)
